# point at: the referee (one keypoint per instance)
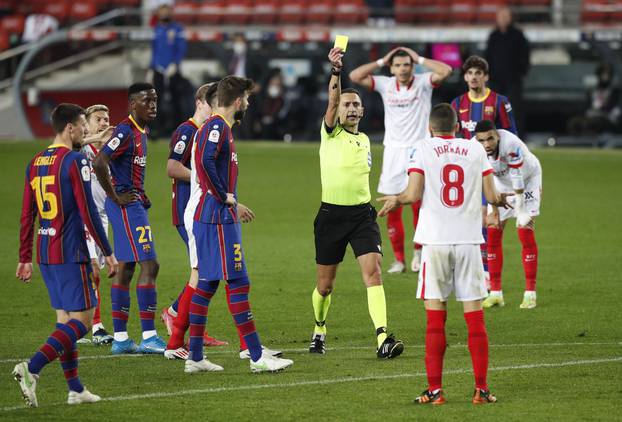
(345, 215)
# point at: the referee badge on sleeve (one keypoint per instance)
(369, 158)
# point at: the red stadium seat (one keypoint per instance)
(293, 12)
(82, 10)
(211, 12)
(462, 11)
(533, 2)
(595, 11)
(351, 12)
(320, 11)
(432, 12)
(13, 24)
(5, 40)
(185, 12)
(238, 12)
(487, 11)
(58, 9)
(266, 12)
(405, 11)
(124, 3)
(616, 15)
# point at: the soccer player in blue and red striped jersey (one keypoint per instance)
(477, 104)
(58, 190)
(218, 233)
(125, 157)
(178, 169)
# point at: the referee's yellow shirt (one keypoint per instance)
(345, 163)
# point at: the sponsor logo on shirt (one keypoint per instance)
(470, 125)
(140, 160)
(234, 157)
(50, 231)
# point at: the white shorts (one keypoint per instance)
(533, 195)
(394, 176)
(188, 223)
(451, 268)
(94, 251)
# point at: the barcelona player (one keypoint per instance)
(178, 169)
(217, 230)
(477, 104)
(125, 157)
(58, 190)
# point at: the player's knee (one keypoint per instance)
(150, 269)
(325, 290)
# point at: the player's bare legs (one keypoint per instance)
(371, 270)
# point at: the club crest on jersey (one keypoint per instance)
(489, 110)
(146, 248)
(180, 146)
(237, 266)
(86, 173)
(114, 143)
(214, 136)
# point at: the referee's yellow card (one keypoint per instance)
(341, 41)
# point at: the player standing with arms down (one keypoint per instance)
(125, 157)
(448, 175)
(345, 215)
(407, 99)
(58, 189)
(99, 129)
(481, 103)
(517, 169)
(217, 230)
(178, 169)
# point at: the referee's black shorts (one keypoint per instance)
(337, 225)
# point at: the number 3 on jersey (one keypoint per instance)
(40, 185)
(452, 193)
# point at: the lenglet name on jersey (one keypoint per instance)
(450, 149)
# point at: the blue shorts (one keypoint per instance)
(71, 287)
(133, 241)
(181, 229)
(484, 202)
(219, 249)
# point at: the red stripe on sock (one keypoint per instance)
(395, 227)
(495, 257)
(120, 315)
(49, 352)
(236, 308)
(229, 291)
(530, 256)
(120, 287)
(247, 327)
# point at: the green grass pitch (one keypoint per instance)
(560, 361)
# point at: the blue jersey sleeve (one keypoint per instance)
(214, 144)
(119, 142)
(181, 141)
(505, 115)
(80, 177)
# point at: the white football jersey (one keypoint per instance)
(195, 191)
(406, 108)
(513, 153)
(451, 207)
(99, 194)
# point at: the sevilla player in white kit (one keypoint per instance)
(515, 169)
(407, 98)
(98, 123)
(448, 175)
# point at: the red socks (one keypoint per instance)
(97, 315)
(530, 257)
(396, 233)
(416, 206)
(435, 344)
(243, 345)
(181, 321)
(478, 346)
(495, 257)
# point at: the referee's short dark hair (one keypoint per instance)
(63, 114)
(443, 118)
(232, 87)
(484, 126)
(352, 91)
(138, 87)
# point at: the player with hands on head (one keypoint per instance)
(407, 98)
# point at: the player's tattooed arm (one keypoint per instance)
(334, 87)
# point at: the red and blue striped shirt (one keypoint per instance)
(58, 190)
(216, 164)
(127, 149)
(492, 106)
(181, 150)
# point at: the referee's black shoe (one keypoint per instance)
(318, 344)
(390, 348)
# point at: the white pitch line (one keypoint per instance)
(212, 352)
(337, 381)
